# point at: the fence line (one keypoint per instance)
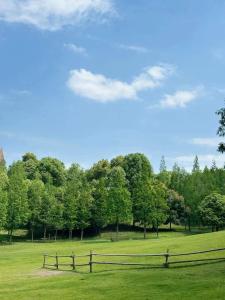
(91, 262)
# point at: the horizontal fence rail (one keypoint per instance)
(167, 256)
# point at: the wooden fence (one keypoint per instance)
(167, 256)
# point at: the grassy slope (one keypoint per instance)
(20, 271)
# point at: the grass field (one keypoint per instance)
(21, 275)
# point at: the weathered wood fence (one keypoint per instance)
(167, 256)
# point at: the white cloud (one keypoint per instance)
(186, 161)
(76, 49)
(134, 48)
(53, 14)
(102, 89)
(209, 142)
(181, 98)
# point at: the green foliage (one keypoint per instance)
(176, 205)
(99, 211)
(3, 197)
(30, 164)
(17, 212)
(212, 210)
(221, 129)
(52, 171)
(119, 203)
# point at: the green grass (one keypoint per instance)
(21, 276)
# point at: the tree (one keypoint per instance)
(17, 213)
(3, 196)
(56, 216)
(52, 171)
(72, 193)
(221, 128)
(36, 191)
(196, 167)
(212, 211)
(144, 204)
(119, 203)
(159, 208)
(176, 212)
(83, 204)
(164, 176)
(30, 164)
(99, 170)
(137, 168)
(99, 213)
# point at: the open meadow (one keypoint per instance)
(22, 276)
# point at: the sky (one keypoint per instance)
(83, 80)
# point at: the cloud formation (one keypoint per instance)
(134, 48)
(208, 142)
(76, 49)
(53, 14)
(181, 98)
(99, 88)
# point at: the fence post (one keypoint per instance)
(44, 260)
(166, 265)
(57, 261)
(73, 259)
(90, 263)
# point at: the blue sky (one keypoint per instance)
(83, 80)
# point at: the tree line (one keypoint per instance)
(42, 195)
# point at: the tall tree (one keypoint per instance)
(176, 212)
(144, 204)
(196, 166)
(159, 210)
(119, 203)
(164, 176)
(221, 128)
(137, 168)
(99, 213)
(30, 164)
(17, 213)
(36, 191)
(84, 203)
(3, 196)
(72, 193)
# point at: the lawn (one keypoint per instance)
(21, 276)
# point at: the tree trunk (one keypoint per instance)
(32, 234)
(189, 224)
(157, 230)
(117, 229)
(170, 225)
(70, 234)
(45, 230)
(56, 233)
(10, 235)
(144, 231)
(81, 234)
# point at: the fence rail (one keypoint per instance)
(166, 263)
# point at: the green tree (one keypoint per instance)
(137, 168)
(144, 203)
(18, 212)
(176, 212)
(159, 208)
(212, 211)
(3, 196)
(30, 164)
(221, 128)
(99, 170)
(99, 213)
(46, 208)
(52, 171)
(164, 176)
(84, 202)
(36, 191)
(72, 193)
(119, 203)
(196, 166)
